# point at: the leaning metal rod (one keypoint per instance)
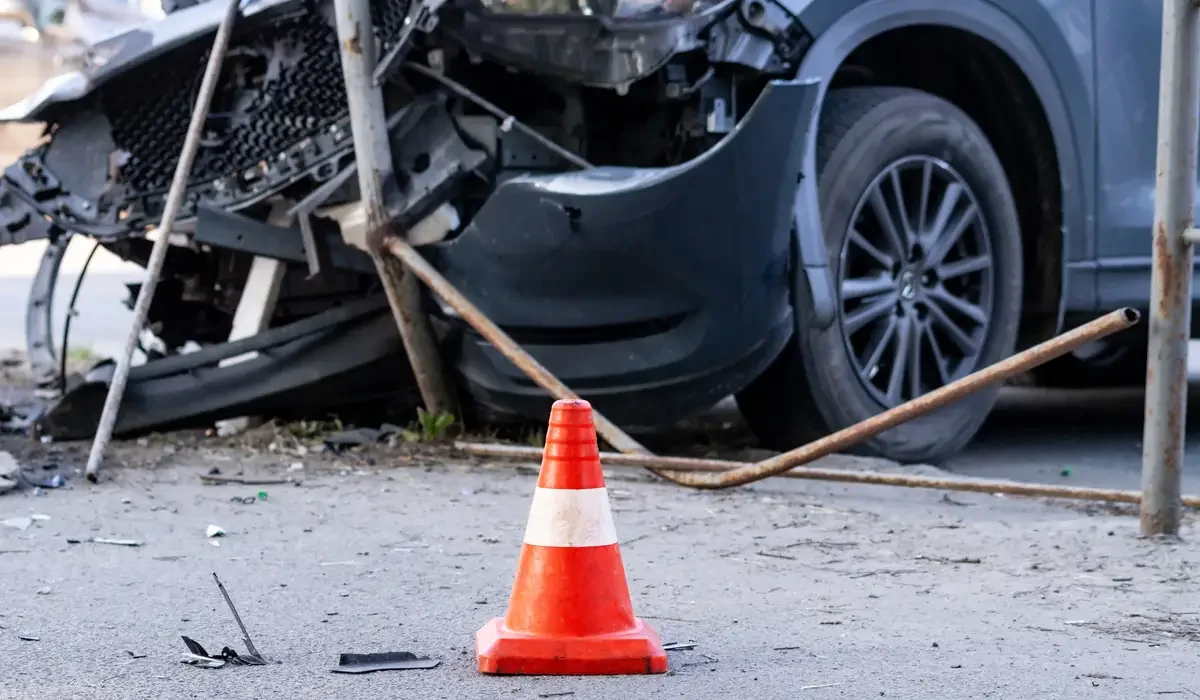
(848, 437)
(158, 254)
(386, 240)
(507, 120)
(1011, 488)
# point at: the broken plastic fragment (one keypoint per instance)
(214, 531)
(384, 661)
(198, 656)
(19, 523)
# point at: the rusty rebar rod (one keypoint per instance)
(715, 474)
(848, 437)
(685, 464)
(385, 239)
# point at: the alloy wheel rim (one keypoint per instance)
(916, 280)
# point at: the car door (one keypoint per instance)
(1128, 38)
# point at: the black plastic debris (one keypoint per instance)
(104, 540)
(342, 439)
(678, 646)
(198, 656)
(384, 661)
(255, 657)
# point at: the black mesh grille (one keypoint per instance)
(149, 108)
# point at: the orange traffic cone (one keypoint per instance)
(570, 611)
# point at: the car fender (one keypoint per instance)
(129, 49)
(1065, 92)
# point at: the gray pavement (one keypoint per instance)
(790, 589)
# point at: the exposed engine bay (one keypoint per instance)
(479, 93)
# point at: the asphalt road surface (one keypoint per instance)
(789, 589)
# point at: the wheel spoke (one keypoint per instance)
(868, 312)
(966, 308)
(946, 240)
(965, 266)
(859, 287)
(899, 362)
(877, 348)
(960, 337)
(945, 210)
(885, 261)
(926, 183)
(914, 359)
(888, 224)
(902, 208)
(939, 359)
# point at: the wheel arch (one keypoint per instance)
(1063, 97)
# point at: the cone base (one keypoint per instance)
(505, 652)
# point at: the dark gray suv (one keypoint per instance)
(823, 207)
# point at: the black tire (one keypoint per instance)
(814, 387)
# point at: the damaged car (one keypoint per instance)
(823, 208)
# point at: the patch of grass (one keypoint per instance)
(81, 355)
(311, 429)
(429, 427)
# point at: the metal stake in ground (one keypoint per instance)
(158, 254)
(1171, 283)
(372, 152)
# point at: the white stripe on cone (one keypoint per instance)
(570, 518)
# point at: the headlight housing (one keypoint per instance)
(606, 43)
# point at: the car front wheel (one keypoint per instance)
(922, 229)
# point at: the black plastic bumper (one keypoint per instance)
(652, 292)
(20, 220)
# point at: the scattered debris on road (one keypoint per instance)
(13, 476)
(243, 480)
(383, 661)
(28, 638)
(679, 646)
(214, 531)
(18, 523)
(198, 656)
(254, 655)
(105, 540)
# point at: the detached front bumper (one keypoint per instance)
(653, 292)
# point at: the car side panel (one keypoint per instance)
(1129, 45)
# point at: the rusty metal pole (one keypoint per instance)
(1171, 285)
(373, 155)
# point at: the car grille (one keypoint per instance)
(149, 108)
